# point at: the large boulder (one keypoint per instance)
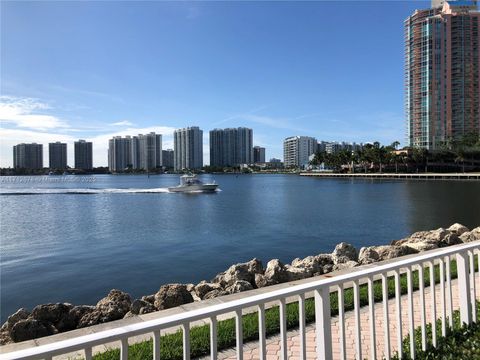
(275, 273)
(172, 295)
(239, 286)
(324, 259)
(112, 307)
(345, 265)
(255, 266)
(296, 273)
(387, 252)
(367, 255)
(215, 293)
(428, 240)
(243, 271)
(314, 265)
(470, 235)
(458, 229)
(116, 304)
(451, 239)
(57, 315)
(420, 246)
(149, 298)
(5, 337)
(20, 314)
(77, 312)
(203, 288)
(140, 307)
(52, 313)
(344, 252)
(260, 281)
(326, 262)
(190, 287)
(93, 318)
(328, 268)
(28, 329)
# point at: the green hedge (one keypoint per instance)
(461, 342)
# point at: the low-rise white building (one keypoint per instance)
(297, 149)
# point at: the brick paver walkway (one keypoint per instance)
(251, 351)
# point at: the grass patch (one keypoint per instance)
(171, 345)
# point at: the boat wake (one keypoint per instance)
(82, 191)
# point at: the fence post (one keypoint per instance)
(323, 323)
(464, 288)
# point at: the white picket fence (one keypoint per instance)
(464, 255)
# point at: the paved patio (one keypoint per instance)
(251, 351)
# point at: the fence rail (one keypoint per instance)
(464, 254)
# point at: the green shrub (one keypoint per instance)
(461, 342)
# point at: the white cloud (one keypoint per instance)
(122, 123)
(24, 113)
(90, 93)
(277, 123)
(273, 122)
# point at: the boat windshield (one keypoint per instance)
(189, 180)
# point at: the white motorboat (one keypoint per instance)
(191, 183)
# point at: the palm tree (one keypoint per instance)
(395, 144)
(367, 156)
(318, 159)
(404, 158)
(420, 156)
(460, 153)
(344, 157)
(355, 159)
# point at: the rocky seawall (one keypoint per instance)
(49, 319)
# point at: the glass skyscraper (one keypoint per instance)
(28, 156)
(142, 152)
(57, 155)
(83, 155)
(231, 147)
(442, 73)
(188, 148)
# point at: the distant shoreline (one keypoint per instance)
(407, 176)
(453, 175)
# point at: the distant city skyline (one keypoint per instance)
(288, 73)
(145, 152)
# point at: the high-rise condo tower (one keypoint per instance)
(442, 55)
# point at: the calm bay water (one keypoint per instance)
(59, 246)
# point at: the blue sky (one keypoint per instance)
(91, 70)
